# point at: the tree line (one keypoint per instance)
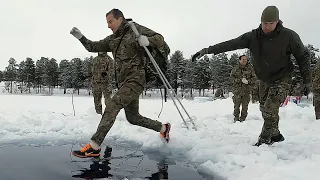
(183, 74)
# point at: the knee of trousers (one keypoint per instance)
(269, 113)
(132, 119)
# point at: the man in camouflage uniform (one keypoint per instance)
(242, 76)
(316, 90)
(271, 45)
(130, 59)
(102, 70)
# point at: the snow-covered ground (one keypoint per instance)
(218, 147)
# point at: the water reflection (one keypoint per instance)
(100, 168)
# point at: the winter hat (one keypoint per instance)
(270, 14)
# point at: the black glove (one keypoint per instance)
(199, 54)
(307, 89)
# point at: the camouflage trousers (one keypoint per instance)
(271, 96)
(126, 97)
(255, 95)
(316, 102)
(243, 101)
(99, 88)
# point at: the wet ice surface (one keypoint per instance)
(116, 162)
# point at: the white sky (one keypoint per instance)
(36, 28)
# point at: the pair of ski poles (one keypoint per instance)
(165, 81)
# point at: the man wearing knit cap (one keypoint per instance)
(271, 45)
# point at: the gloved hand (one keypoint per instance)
(199, 54)
(244, 80)
(143, 40)
(76, 33)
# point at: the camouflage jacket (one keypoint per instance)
(239, 72)
(102, 69)
(316, 78)
(130, 57)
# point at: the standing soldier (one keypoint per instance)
(271, 46)
(101, 80)
(316, 90)
(242, 78)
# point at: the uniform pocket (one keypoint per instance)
(277, 94)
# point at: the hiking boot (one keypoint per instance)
(99, 110)
(263, 141)
(165, 133)
(235, 119)
(87, 151)
(242, 119)
(277, 138)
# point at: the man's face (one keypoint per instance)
(243, 60)
(114, 23)
(268, 27)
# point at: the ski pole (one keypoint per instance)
(164, 79)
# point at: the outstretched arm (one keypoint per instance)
(96, 46)
(240, 42)
(91, 46)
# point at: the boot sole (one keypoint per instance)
(85, 156)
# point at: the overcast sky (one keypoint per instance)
(35, 28)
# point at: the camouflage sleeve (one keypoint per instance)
(302, 57)
(240, 42)
(96, 46)
(233, 76)
(316, 78)
(155, 39)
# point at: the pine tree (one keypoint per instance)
(77, 74)
(11, 72)
(175, 70)
(188, 76)
(234, 59)
(30, 72)
(40, 75)
(202, 74)
(221, 71)
(51, 74)
(87, 72)
(21, 75)
(65, 76)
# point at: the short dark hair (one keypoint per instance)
(116, 13)
(241, 56)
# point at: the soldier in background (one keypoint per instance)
(242, 78)
(316, 90)
(102, 71)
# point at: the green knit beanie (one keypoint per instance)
(270, 14)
